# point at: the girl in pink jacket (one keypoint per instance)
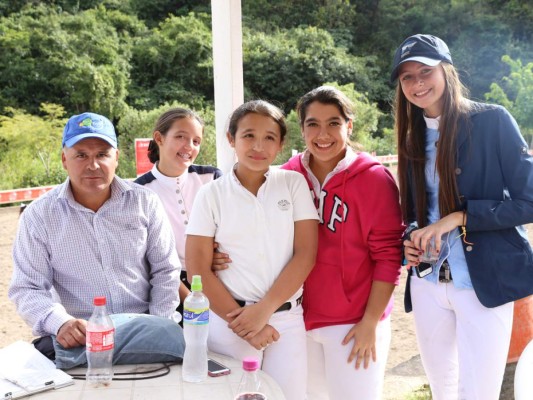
(348, 294)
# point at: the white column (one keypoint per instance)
(227, 72)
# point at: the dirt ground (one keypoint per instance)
(404, 371)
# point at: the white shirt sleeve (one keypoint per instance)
(303, 207)
(203, 219)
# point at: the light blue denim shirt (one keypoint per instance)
(451, 247)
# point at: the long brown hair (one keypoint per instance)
(410, 130)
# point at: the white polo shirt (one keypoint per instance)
(177, 195)
(256, 232)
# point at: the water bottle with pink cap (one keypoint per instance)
(250, 385)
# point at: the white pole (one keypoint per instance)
(227, 72)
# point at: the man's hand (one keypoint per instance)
(72, 333)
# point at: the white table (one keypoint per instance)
(169, 387)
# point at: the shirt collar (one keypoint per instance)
(234, 176)
(432, 123)
(348, 159)
(118, 188)
(170, 181)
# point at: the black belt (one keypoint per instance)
(445, 273)
(284, 307)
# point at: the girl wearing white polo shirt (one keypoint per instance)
(177, 137)
(265, 218)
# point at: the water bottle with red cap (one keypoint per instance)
(100, 343)
(250, 386)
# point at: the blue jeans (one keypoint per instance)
(139, 339)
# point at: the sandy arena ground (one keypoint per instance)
(404, 370)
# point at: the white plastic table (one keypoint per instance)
(169, 387)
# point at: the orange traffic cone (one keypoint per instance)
(522, 328)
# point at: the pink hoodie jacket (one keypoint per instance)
(352, 254)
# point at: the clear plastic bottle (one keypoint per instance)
(195, 330)
(250, 386)
(100, 343)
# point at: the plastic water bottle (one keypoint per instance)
(100, 343)
(195, 330)
(250, 386)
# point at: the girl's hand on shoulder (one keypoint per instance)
(264, 337)
(363, 335)
(249, 320)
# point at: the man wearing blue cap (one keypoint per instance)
(97, 235)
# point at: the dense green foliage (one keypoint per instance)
(516, 94)
(131, 59)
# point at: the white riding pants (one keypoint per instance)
(332, 377)
(285, 360)
(463, 345)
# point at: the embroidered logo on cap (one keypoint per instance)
(407, 49)
(89, 122)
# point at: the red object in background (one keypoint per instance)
(142, 162)
(522, 328)
(29, 194)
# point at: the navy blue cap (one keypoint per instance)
(88, 125)
(427, 49)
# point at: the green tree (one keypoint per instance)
(270, 16)
(173, 63)
(516, 94)
(153, 12)
(31, 154)
(71, 6)
(283, 66)
(79, 61)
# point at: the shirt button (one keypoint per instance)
(180, 201)
(468, 248)
(458, 171)
(183, 211)
(185, 222)
(177, 190)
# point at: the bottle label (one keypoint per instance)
(100, 341)
(196, 316)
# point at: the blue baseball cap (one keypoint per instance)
(427, 49)
(88, 125)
